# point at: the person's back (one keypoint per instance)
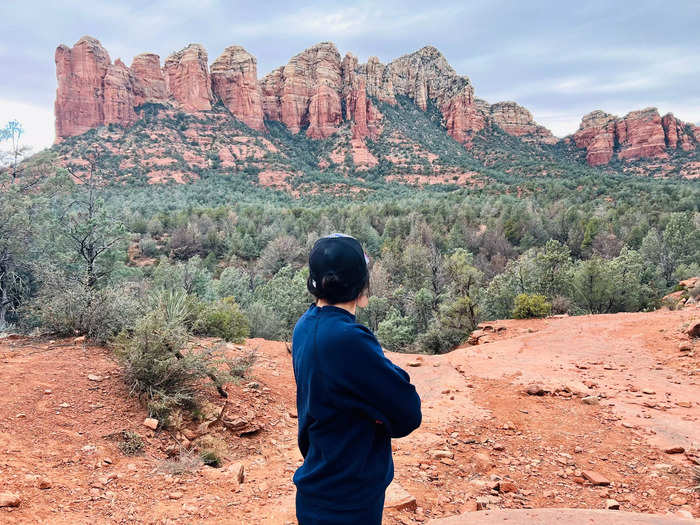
(351, 401)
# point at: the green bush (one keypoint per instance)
(68, 309)
(159, 363)
(223, 319)
(528, 306)
(148, 246)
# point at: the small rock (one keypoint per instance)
(535, 390)
(685, 346)
(578, 450)
(507, 486)
(611, 504)
(499, 447)
(64, 405)
(293, 414)
(398, 498)
(9, 499)
(175, 495)
(238, 471)
(648, 391)
(47, 391)
(595, 478)
(439, 454)
(44, 484)
(674, 450)
(80, 339)
(188, 507)
(678, 500)
(482, 503)
(93, 377)
(151, 423)
(590, 400)
(482, 462)
(414, 363)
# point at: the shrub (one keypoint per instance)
(396, 331)
(131, 443)
(185, 462)
(148, 246)
(561, 304)
(264, 322)
(159, 364)
(528, 306)
(68, 309)
(223, 319)
(212, 450)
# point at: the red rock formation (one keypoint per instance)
(596, 135)
(79, 96)
(517, 121)
(234, 79)
(271, 86)
(641, 135)
(307, 92)
(678, 134)
(118, 95)
(462, 117)
(187, 78)
(378, 80)
(638, 135)
(426, 75)
(149, 82)
(365, 118)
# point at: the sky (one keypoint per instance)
(560, 59)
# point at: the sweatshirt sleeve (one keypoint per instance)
(364, 379)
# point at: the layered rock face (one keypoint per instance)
(320, 94)
(149, 82)
(640, 134)
(80, 73)
(187, 78)
(596, 135)
(234, 79)
(306, 92)
(517, 121)
(365, 118)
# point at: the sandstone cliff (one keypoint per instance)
(642, 134)
(321, 95)
(234, 79)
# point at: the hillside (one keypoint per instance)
(485, 442)
(322, 123)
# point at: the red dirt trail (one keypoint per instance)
(484, 441)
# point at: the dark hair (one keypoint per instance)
(333, 289)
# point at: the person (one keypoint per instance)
(351, 400)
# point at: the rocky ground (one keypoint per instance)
(590, 412)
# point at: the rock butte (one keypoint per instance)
(317, 92)
(637, 135)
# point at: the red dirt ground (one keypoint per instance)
(56, 427)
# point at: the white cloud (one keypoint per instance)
(37, 121)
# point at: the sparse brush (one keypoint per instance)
(212, 450)
(186, 462)
(159, 362)
(131, 443)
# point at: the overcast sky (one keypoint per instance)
(560, 59)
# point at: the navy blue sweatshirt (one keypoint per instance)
(351, 400)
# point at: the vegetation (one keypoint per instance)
(93, 249)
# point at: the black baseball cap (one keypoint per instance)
(338, 268)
